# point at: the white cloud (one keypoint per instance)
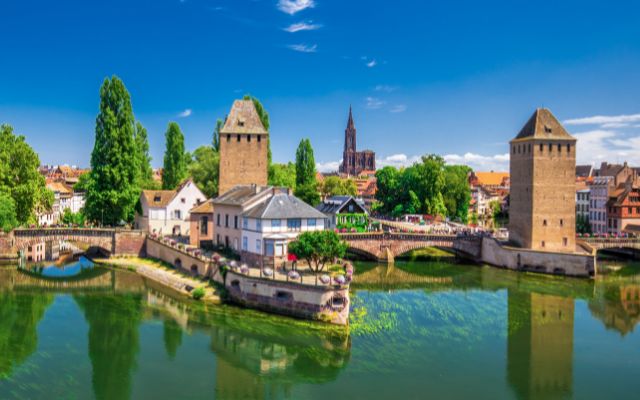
(293, 6)
(302, 26)
(604, 119)
(498, 162)
(186, 113)
(372, 63)
(330, 166)
(374, 103)
(601, 145)
(385, 88)
(397, 160)
(303, 48)
(398, 108)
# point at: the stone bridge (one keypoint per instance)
(629, 246)
(110, 241)
(385, 246)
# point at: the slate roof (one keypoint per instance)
(543, 125)
(333, 204)
(584, 171)
(242, 119)
(239, 194)
(283, 206)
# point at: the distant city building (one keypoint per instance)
(490, 180)
(355, 162)
(542, 196)
(584, 171)
(583, 197)
(486, 188)
(243, 148)
(607, 179)
(623, 210)
(167, 212)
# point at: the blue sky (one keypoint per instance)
(454, 78)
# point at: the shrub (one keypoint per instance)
(198, 293)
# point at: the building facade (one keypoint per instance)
(607, 179)
(542, 196)
(583, 197)
(201, 231)
(623, 210)
(167, 212)
(244, 143)
(344, 212)
(269, 227)
(354, 161)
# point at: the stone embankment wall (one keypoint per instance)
(322, 303)
(129, 243)
(182, 260)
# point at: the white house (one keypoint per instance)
(167, 211)
(269, 226)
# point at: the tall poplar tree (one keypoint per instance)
(144, 159)
(306, 184)
(114, 183)
(175, 161)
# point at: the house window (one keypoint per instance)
(258, 246)
(226, 220)
(218, 219)
(204, 225)
(183, 200)
(235, 222)
(178, 214)
(275, 223)
(311, 222)
(156, 198)
(293, 224)
(259, 225)
(245, 223)
(245, 243)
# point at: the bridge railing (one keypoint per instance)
(613, 241)
(413, 236)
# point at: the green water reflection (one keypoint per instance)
(418, 330)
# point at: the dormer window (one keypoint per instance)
(156, 199)
(240, 122)
(547, 129)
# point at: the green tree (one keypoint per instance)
(175, 159)
(69, 217)
(8, 219)
(318, 247)
(205, 170)
(336, 186)
(457, 192)
(144, 159)
(388, 194)
(306, 184)
(215, 143)
(19, 176)
(114, 184)
(283, 175)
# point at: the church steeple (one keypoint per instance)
(350, 134)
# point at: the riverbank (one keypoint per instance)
(162, 273)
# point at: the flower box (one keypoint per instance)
(293, 275)
(244, 269)
(326, 279)
(340, 279)
(267, 271)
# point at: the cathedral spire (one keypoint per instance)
(350, 124)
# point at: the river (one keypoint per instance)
(418, 330)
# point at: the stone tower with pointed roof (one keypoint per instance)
(542, 197)
(354, 161)
(243, 148)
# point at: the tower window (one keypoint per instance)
(238, 138)
(259, 138)
(550, 147)
(559, 148)
(228, 138)
(248, 138)
(544, 222)
(541, 147)
(542, 244)
(568, 148)
(561, 222)
(547, 129)
(565, 242)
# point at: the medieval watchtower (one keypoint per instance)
(542, 197)
(243, 148)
